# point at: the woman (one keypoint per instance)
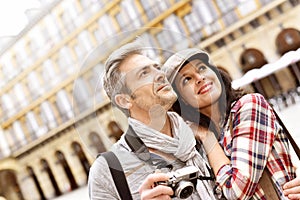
(244, 124)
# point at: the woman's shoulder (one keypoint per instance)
(250, 99)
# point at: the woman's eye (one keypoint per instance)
(201, 68)
(185, 80)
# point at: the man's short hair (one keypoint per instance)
(113, 79)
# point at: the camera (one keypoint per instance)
(183, 181)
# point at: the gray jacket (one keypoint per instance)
(101, 185)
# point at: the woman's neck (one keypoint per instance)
(213, 113)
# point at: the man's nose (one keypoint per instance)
(160, 76)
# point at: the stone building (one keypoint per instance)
(55, 117)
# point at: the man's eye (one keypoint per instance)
(143, 73)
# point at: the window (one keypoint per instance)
(96, 83)
(49, 74)
(47, 115)
(51, 29)
(21, 98)
(65, 60)
(18, 135)
(37, 41)
(35, 129)
(177, 35)
(4, 146)
(128, 18)
(84, 45)
(8, 67)
(34, 85)
(7, 106)
(82, 95)
(105, 23)
(64, 105)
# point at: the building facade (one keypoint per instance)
(55, 116)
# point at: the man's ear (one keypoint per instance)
(123, 100)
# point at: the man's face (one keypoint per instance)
(147, 83)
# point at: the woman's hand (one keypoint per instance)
(292, 188)
(148, 190)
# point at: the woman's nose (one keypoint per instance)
(199, 78)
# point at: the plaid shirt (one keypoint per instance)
(255, 140)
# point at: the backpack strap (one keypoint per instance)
(118, 175)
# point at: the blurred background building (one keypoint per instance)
(55, 117)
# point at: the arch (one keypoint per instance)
(252, 58)
(115, 130)
(62, 160)
(9, 187)
(96, 142)
(46, 168)
(81, 156)
(32, 174)
(287, 40)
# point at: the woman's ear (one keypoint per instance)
(123, 100)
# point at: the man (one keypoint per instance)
(137, 86)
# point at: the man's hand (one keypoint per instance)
(292, 188)
(148, 190)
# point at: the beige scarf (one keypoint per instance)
(182, 146)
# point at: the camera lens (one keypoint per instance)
(184, 189)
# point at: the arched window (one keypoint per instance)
(252, 58)
(114, 130)
(9, 187)
(289, 40)
(96, 142)
(46, 168)
(63, 162)
(36, 182)
(81, 156)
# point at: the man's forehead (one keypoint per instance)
(136, 62)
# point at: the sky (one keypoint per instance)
(12, 15)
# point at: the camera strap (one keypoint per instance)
(142, 152)
(118, 175)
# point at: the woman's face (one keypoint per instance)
(198, 85)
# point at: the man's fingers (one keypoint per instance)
(149, 190)
(160, 192)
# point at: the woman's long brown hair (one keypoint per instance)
(228, 96)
